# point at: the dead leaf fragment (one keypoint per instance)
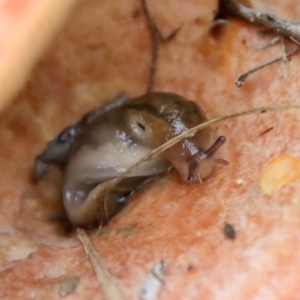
(153, 284)
(68, 286)
(280, 171)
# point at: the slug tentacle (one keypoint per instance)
(197, 159)
(215, 147)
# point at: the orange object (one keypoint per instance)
(281, 171)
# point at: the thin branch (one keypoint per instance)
(193, 130)
(154, 48)
(284, 58)
(282, 27)
(265, 132)
(105, 280)
(244, 76)
(269, 43)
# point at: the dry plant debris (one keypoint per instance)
(153, 284)
(68, 286)
(155, 38)
(193, 130)
(283, 28)
(105, 280)
(241, 80)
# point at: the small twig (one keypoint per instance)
(265, 132)
(282, 27)
(105, 280)
(273, 40)
(284, 58)
(154, 49)
(244, 76)
(283, 45)
(193, 130)
(268, 43)
(171, 36)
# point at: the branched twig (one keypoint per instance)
(244, 76)
(155, 41)
(106, 282)
(282, 27)
(193, 130)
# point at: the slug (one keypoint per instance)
(109, 140)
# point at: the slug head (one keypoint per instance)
(194, 163)
(156, 118)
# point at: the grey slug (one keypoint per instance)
(107, 141)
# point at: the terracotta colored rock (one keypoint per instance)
(104, 49)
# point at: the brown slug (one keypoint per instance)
(109, 140)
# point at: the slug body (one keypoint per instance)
(106, 142)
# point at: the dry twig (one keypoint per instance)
(244, 76)
(193, 130)
(284, 58)
(155, 37)
(265, 132)
(105, 280)
(282, 27)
